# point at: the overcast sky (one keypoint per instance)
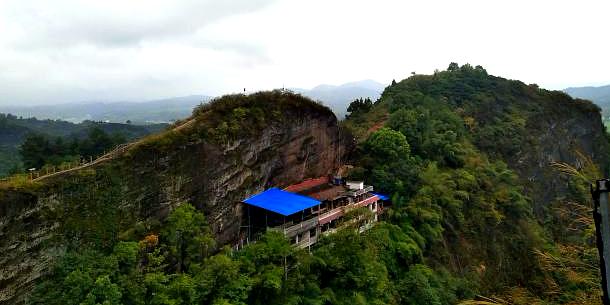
(76, 50)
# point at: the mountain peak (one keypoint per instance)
(338, 97)
(367, 83)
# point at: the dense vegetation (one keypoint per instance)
(234, 116)
(38, 150)
(15, 130)
(461, 124)
(360, 106)
(460, 226)
(175, 265)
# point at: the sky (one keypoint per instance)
(64, 51)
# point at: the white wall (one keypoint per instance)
(355, 185)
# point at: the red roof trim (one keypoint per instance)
(307, 184)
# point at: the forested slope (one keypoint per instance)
(496, 182)
(488, 179)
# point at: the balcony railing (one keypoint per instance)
(363, 202)
(354, 193)
(332, 214)
(306, 242)
(299, 227)
(290, 230)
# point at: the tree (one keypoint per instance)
(104, 292)
(100, 141)
(419, 287)
(220, 278)
(182, 289)
(351, 270)
(34, 151)
(269, 262)
(359, 106)
(188, 236)
(434, 132)
(388, 145)
(387, 157)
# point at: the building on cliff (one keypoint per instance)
(306, 210)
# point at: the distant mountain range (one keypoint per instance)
(171, 109)
(148, 112)
(598, 95)
(339, 97)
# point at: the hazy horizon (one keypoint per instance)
(71, 51)
(161, 98)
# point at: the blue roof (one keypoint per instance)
(281, 202)
(382, 197)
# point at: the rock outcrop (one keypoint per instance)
(559, 132)
(140, 186)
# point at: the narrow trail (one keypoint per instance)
(117, 151)
(108, 156)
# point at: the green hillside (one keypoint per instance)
(475, 171)
(488, 179)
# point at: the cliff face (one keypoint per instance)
(557, 133)
(138, 188)
(537, 128)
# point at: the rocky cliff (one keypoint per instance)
(531, 128)
(228, 150)
(558, 132)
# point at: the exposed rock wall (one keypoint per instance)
(559, 130)
(557, 137)
(145, 185)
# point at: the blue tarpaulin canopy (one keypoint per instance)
(382, 196)
(281, 202)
